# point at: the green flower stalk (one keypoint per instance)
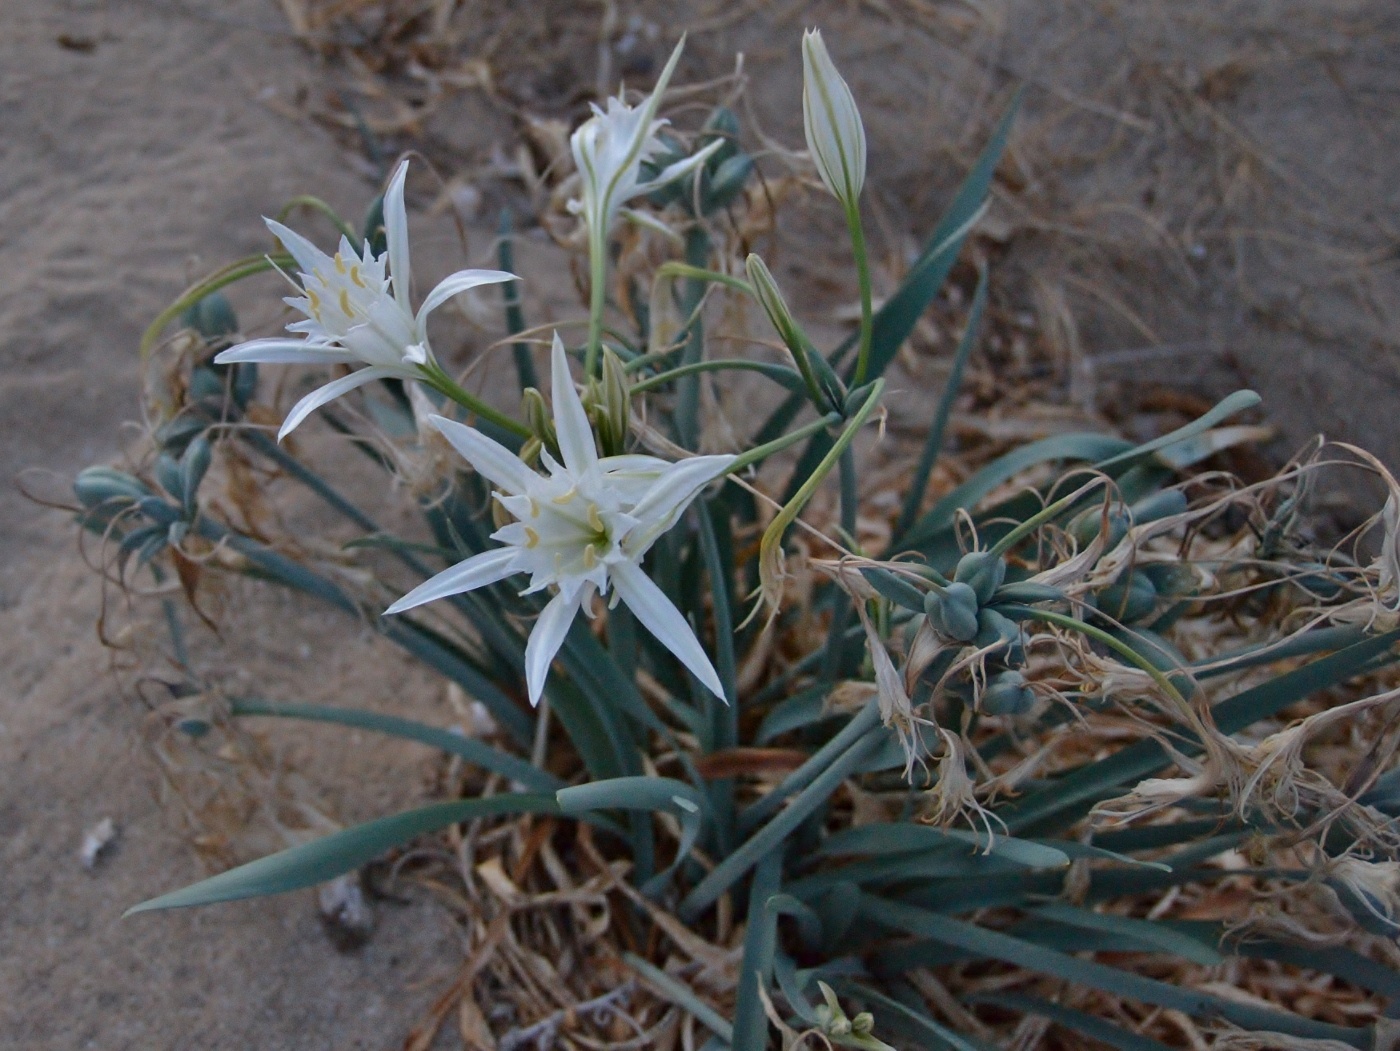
(609, 149)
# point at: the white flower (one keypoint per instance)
(610, 147)
(835, 134)
(582, 527)
(357, 310)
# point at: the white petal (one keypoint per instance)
(669, 495)
(285, 351)
(457, 283)
(570, 421)
(475, 572)
(308, 257)
(492, 460)
(672, 172)
(396, 234)
(660, 617)
(545, 640)
(633, 463)
(329, 392)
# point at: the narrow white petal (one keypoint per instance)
(285, 351)
(309, 258)
(633, 463)
(545, 640)
(396, 234)
(672, 172)
(458, 283)
(475, 572)
(660, 617)
(670, 494)
(570, 421)
(330, 392)
(492, 460)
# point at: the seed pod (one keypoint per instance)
(212, 317)
(1165, 504)
(193, 466)
(1007, 693)
(168, 475)
(983, 572)
(1086, 526)
(728, 181)
(158, 511)
(245, 383)
(953, 612)
(1002, 634)
(98, 485)
(1128, 601)
(1170, 578)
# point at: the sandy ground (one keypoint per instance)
(138, 144)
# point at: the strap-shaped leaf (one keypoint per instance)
(341, 852)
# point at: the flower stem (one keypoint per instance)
(760, 452)
(867, 324)
(440, 381)
(597, 298)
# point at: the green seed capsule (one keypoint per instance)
(168, 474)
(1007, 693)
(1001, 634)
(983, 572)
(1128, 601)
(97, 485)
(953, 613)
(193, 466)
(1159, 505)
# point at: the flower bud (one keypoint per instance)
(765, 289)
(835, 134)
(615, 403)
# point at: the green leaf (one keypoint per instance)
(990, 944)
(470, 749)
(803, 708)
(998, 472)
(1162, 937)
(324, 859)
(933, 444)
(1090, 1025)
(756, 965)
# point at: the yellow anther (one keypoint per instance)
(595, 519)
(534, 507)
(532, 539)
(590, 557)
(339, 264)
(355, 276)
(345, 303)
(566, 497)
(315, 301)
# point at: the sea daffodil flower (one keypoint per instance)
(835, 134)
(581, 528)
(357, 310)
(610, 147)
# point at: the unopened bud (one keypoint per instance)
(835, 134)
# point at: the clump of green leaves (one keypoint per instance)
(955, 809)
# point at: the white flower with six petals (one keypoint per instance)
(610, 147)
(357, 310)
(583, 527)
